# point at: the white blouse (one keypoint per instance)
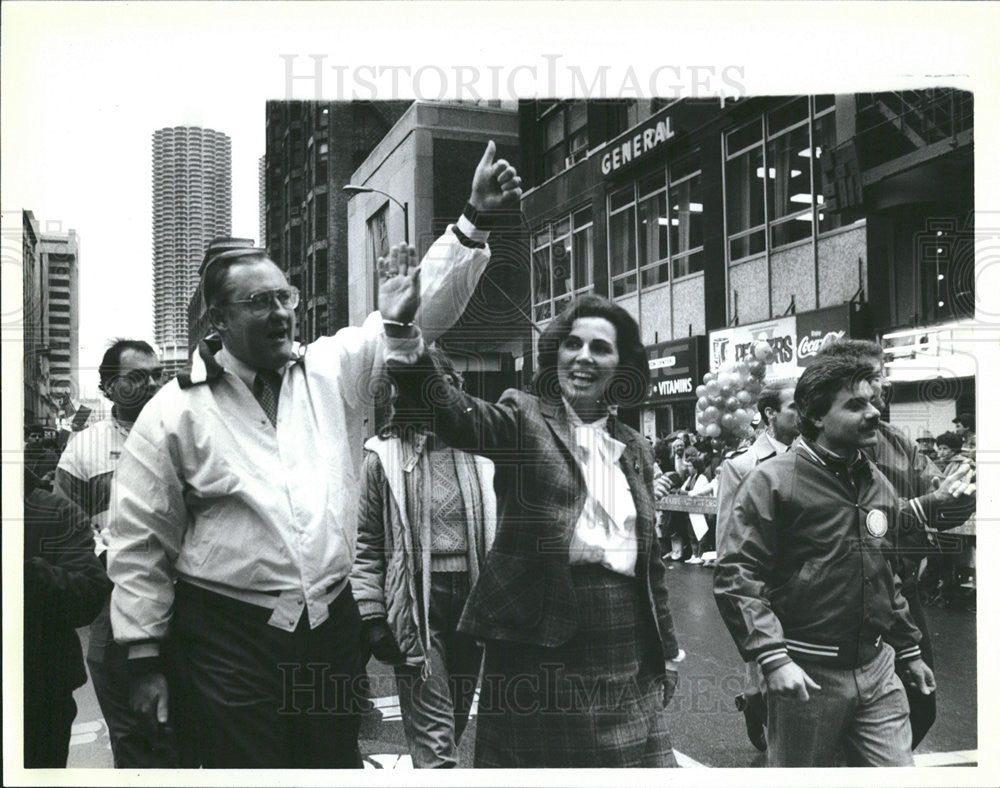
(605, 533)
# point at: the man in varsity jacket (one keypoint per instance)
(805, 585)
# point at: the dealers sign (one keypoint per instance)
(735, 344)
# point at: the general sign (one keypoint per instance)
(627, 150)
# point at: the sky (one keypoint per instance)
(84, 85)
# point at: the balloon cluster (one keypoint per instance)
(727, 400)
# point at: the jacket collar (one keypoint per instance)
(762, 448)
(554, 413)
(856, 464)
(205, 369)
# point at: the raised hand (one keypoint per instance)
(496, 185)
(399, 284)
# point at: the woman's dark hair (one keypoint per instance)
(950, 439)
(693, 456)
(819, 384)
(628, 385)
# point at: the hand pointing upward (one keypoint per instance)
(496, 185)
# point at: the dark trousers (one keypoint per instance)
(923, 708)
(108, 665)
(48, 722)
(259, 697)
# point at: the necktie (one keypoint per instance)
(266, 387)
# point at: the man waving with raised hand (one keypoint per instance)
(239, 481)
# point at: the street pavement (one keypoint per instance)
(706, 729)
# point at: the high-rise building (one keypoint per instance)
(37, 406)
(51, 321)
(60, 254)
(192, 204)
(312, 149)
(261, 201)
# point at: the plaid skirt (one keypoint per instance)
(595, 701)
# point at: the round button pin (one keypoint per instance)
(877, 523)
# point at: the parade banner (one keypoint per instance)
(696, 504)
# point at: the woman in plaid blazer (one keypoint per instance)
(580, 652)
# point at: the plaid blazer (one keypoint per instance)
(525, 592)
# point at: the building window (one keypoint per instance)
(655, 228)
(653, 235)
(621, 240)
(321, 169)
(745, 191)
(686, 218)
(378, 245)
(564, 135)
(562, 262)
(320, 271)
(320, 222)
(824, 141)
(789, 194)
(776, 182)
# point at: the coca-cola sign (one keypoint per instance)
(810, 346)
(818, 328)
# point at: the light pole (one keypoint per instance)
(352, 190)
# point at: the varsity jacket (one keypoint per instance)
(804, 570)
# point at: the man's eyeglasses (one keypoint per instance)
(135, 383)
(260, 302)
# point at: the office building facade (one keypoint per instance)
(38, 407)
(312, 149)
(60, 254)
(783, 218)
(426, 163)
